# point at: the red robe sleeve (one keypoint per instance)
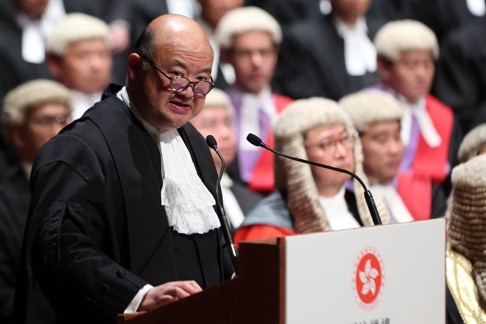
(259, 232)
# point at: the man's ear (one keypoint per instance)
(17, 136)
(54, 63)
(226, 55)
(384, 67)
(134, 65)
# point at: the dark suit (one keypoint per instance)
(14, 208)
(14, 203)
(311, 61)
(97, 232)
(389, 9)
(460, 80)
(442, 16)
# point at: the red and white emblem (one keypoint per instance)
(368, 277)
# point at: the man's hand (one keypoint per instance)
(168, 293)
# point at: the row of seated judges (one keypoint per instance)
(360, 133)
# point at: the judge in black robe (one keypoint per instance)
(97, 232)
(96, 196)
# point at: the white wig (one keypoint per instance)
(472, 143)
(21, 100)
(368, 107)
(398, 36)
(217, 97)
(246, 19)
(73, 28)
(467, 218)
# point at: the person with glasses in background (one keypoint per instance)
(310, 198)
(123, 215)
(33, 113)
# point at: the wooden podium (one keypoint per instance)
(384, 274)
(253, 297)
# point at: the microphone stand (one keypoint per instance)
(370, 202)
(211, 141)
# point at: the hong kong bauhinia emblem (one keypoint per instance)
(369, 278)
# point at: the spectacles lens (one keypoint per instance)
(51, 120)
(179, 84)
(202, 88)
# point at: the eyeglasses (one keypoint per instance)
(180, 83)
(49, 121)
(330, 146)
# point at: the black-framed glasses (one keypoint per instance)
(330, 146)
(180, 83)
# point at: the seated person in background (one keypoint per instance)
(329, 55)
(465, 258)
(406, 53)
(216, 118)
(249, 39)
(473, 144)
(377, 115)
(79, 57)
(33, 113)
(310, 198)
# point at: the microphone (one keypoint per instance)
(255, 140)
(211, 141)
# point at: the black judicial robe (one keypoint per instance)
(97, 232)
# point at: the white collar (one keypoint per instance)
(231, 205)
(359, 51)
(418, 110)
(26, 168)
(34, 31)
(337, 213)
(82, 101)
(393, 201)
(226, 181)
(476, 7)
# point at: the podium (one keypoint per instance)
(388, 274)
